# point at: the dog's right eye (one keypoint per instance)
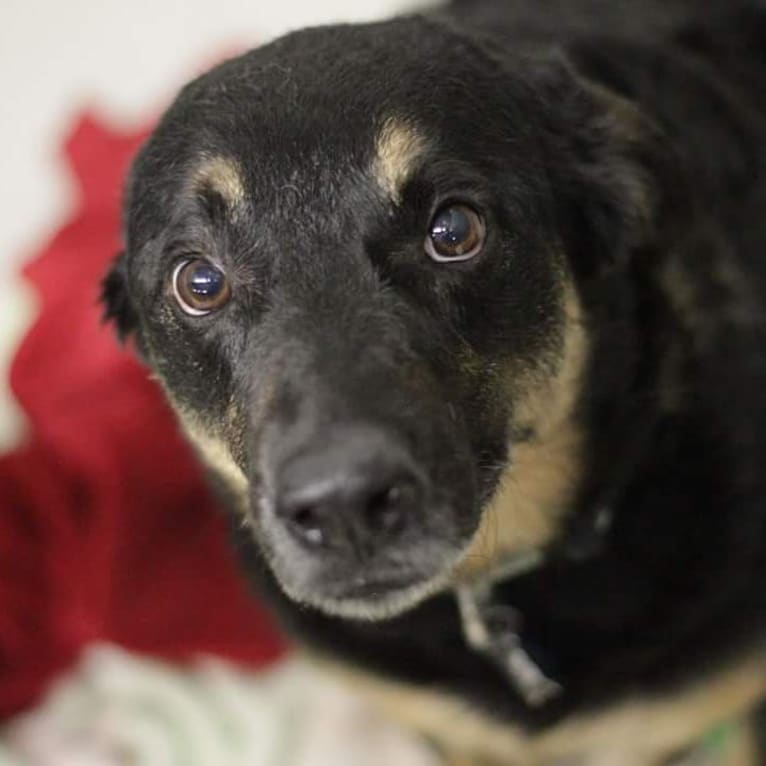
(200, 287)
(456, 233)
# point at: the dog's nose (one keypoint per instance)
(356, 490)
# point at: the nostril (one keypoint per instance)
(387, 510)
(307, 524)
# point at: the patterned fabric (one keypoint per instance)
(118, 709)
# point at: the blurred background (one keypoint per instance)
(126, 634)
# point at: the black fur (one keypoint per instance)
(114, 296)
(630, 135)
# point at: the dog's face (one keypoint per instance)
(352, 261)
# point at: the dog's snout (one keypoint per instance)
(356, 491)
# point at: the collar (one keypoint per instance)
(495, 629)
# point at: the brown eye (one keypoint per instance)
(199, 287)
(456, 233)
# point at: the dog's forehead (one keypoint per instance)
(395, 149)
(332, 114)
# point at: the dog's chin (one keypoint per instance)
(370, 602)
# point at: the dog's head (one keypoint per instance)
(353, 260)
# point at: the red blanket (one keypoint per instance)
(106, 529)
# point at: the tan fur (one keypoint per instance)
(640, 732)
(743, 751)
(538, 486)
(461, 760)
(397, 149)
(224, 176)
(216, 454)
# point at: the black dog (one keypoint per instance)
(465, 311)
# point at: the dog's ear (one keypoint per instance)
(116, 299)
(605, 160)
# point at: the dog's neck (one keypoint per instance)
(494, 628)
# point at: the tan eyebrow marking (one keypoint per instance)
(223, 176)
(398, 147)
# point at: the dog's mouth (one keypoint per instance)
(374, 587)
(370, 597)
(361, 584)
(352, 587)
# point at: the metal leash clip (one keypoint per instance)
(494, 630)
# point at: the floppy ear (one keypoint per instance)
(606, 158)
(116, 300)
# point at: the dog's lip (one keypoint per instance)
(371, 586)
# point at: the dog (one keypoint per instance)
(464, 311)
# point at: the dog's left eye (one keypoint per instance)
(456, 233)
(199, 287)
